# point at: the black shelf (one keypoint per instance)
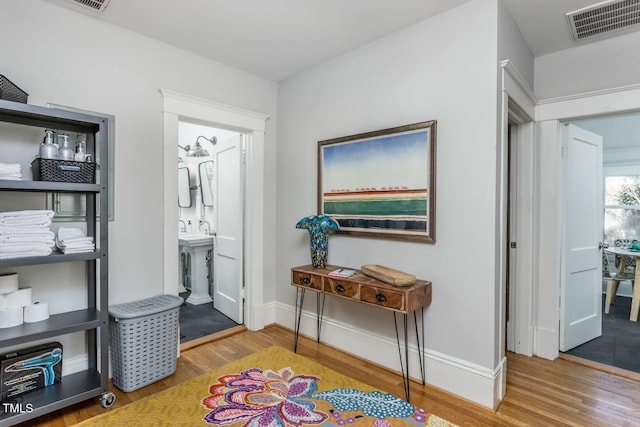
(70, 390)
(60, 187)
(58, 324)
(32, 115)
(93, 321)
(55, 257)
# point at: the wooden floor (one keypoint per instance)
(539, 392)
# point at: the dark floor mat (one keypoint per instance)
(201, 320)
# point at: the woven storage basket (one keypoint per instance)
(11, 92)
(63, 171)
(144, 341)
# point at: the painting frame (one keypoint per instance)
(381, 183)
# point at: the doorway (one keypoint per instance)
(549, 209)
(210, 229)
(180, 107)
(619, 342)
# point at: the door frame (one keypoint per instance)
(518, 112)
(177, 107)
(550, 114)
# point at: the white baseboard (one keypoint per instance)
(468, 380)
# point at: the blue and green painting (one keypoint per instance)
(378, 183)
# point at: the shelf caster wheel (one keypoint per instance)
(108, 399)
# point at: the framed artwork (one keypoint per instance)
(381, 183)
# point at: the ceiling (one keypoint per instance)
(276, 39)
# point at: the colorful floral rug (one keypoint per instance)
(272, 388)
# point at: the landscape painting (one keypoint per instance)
(381, 183)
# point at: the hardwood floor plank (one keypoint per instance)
(539, 392)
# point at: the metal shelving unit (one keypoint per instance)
(94, 320)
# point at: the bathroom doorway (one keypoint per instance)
(181, 107)
(210, 228)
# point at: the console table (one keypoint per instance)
(363, 289)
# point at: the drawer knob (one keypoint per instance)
(339, 288)
(306, 280)
(381, 297)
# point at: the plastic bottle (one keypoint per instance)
(47, 149)
(79, 155)
(65, 152)
(189, 227)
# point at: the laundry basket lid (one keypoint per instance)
(145, 307)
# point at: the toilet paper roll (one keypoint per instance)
(10, 317)
(36, 312)
(20, 298)
(3, 301)
(8, 283)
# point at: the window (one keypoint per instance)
(621, 208)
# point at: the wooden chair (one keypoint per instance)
(615, 271)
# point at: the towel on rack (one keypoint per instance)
(73, 240)
(23, 250)
(10, 230)
(44, 238)
(10, 171)
(27, 218)
(10, 167)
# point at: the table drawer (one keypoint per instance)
(342, 288)
(382, 297)
(307, 280)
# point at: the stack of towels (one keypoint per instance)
(26, 233)
(73, 240)
(10, 171)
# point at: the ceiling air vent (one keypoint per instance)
(605, 17)
(95, 5)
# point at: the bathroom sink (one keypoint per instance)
(194, 239)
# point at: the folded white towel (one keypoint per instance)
(68, 233)
(35, 218)
(77, 251)
(10, 167)
(31, 212)
(24, 250)
(73, 240)
(43, 239)
(9, 230)
(11, 178)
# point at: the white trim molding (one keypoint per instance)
(517, 112)
(476, 383)
(178, 106)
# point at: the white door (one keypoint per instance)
(581, 295)
(228, 212)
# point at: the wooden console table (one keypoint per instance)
(365, 290)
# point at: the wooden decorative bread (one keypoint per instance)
(388, 275)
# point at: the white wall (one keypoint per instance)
(512, 46)
(444, 69)
(595, 66)
(63, 57)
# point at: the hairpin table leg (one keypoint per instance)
(298, 314)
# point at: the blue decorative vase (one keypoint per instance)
(319, 227)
